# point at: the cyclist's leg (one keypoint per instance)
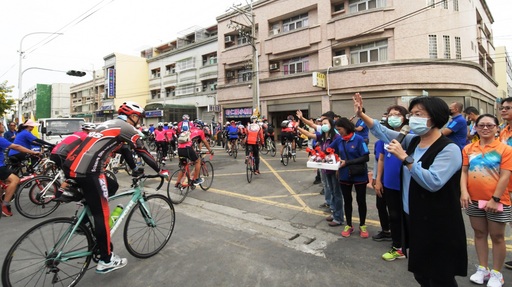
(256, 154)
(283, 141)
(293, 140)
(12, 182)
(164, 149)
(93, 186)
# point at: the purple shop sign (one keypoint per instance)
(238, 113)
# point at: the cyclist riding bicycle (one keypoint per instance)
(161, 139)
(232, 131)
(268, 131)
(26, 139)
(85, 165)
(254, 139)
(185, 124)
(6, 175)
(186, 150)
(170, 134)
(288, 132)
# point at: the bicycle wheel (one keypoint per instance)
(272, 149)
(235, 151)
(265, 148)
(40, 256)
(178, 191)
(207, 175)
(152, 146)
(248, 169)
(285, 156)
(149, 226)
(33, 198)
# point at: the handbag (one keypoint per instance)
(355, 169)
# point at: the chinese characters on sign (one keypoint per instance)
(238, 113)
(111, 83)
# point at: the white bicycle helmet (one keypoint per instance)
(185, 117)
(88, 126)
(160, 124)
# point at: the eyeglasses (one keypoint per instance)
(482, 126)
(505, 108)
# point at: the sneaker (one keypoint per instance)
(481, 275)
(317, 181)
(198, 181)
(382, 236)
(324, 205)
(347, 231)
(115, 263)
(393, 254)
(496, 279)
(363, 232)
(6, 210)
(281, 158)
(256, 172)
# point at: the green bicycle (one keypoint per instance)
(58, 251)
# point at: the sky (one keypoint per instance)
(93, 29)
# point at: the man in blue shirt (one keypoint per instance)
(457, 128)
(6, 174)
(10, 135)
(361, 129)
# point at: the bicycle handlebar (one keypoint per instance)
(138, 178)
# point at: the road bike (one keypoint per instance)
(270, 146)
(58, 251)
(250, 166)
(234, 148)
(177, 191)
(287, 153)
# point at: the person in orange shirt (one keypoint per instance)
(254, 139)
(486, 169)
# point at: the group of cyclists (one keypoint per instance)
(83, 157)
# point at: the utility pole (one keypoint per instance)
(249, 31)
(93, 92)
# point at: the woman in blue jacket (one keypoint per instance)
(353, 152)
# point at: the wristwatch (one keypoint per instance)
(408, 160)
(496, 199)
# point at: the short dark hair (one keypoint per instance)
(402, 110)
(507, 100)
(436, 108)
(470, 110)
(346, 124)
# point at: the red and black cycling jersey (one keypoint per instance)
(91, 154)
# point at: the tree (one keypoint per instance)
(5, 104)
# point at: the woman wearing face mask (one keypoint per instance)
(430, 191)
(332, 189)
(387, 188)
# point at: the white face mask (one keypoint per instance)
(419, 125)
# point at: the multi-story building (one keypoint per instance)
(503, 73)
(183, 77)
(86, 98)
(388, 50)
(46, 101)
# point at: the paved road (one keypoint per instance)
(267, 233)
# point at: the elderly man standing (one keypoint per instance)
(457, 128)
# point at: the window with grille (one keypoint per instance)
(455, 5)
(446, 40)
(362, 5)
(244, 75)
(186, 64)
(296, 65)
(185, 90)
(458, 50)
(370, 52)
(444, 4)
(431, 3)
(295, 22)
(432, 46)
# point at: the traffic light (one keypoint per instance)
(76, 73)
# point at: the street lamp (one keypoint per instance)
(20, 71)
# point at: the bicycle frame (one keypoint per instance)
(136, 194)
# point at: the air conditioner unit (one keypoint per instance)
(274, 66)
(275, 31)
(213, 87)
(229, 39)
(230, 74)
(340, 61)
